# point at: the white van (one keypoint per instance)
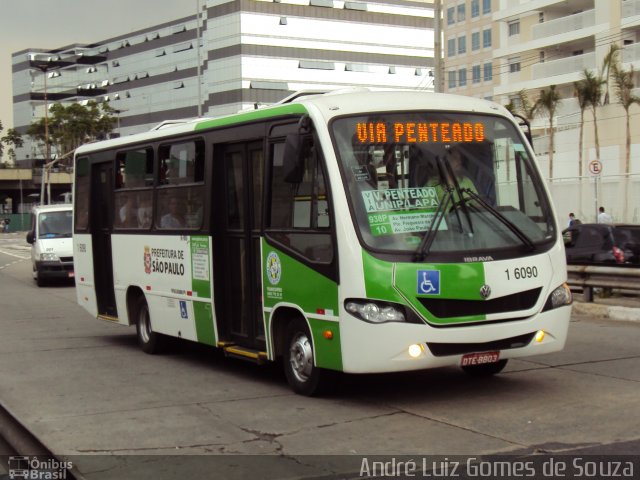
(51, 242)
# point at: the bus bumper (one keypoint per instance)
(385, 347)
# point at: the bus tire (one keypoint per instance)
(485, 370)
(150, 342)
(302, 375)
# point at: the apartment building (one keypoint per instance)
(239, 55)
(538, 43)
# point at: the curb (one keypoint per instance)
(613, 312)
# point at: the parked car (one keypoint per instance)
(599, 244)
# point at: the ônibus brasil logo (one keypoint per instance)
(274, 268)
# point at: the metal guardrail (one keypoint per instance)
(589, 277)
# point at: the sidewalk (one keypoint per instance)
(616, 307)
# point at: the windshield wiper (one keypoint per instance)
(430, 235)
(461, 201)
(524, 238)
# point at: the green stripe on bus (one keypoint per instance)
(286, 280)
(328, 354)
(204, 322)
(460, 281)
(200, 266)
(378, 279)
(253, 115)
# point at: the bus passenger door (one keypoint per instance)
(101, 215)
(237, 221)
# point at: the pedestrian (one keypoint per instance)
(572, 219)
(6, 225)
(2, 225)
(604, 217)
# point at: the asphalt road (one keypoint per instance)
(90, 395)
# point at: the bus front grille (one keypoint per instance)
(450, 308)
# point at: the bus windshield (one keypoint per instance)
(441, 182)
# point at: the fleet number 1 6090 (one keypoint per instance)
(520, 273)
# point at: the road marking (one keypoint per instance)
(21, 257)
(12, 263)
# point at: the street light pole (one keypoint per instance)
(199, 73)
(437, 47)
(45, 66)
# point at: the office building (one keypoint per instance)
(240, 55)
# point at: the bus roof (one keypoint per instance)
(329, 105)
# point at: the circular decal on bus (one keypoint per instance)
(274, 268)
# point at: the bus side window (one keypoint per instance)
(82, 190)
(300, 212)
(134, 168)
(180, 199)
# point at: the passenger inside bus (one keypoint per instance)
(174, 218)
(127, 215)
(144, 210)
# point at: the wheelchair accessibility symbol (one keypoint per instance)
(428, 282)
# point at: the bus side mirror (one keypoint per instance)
(293, 161)
(30, 236)
(296, 147)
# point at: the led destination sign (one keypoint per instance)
(419, 132)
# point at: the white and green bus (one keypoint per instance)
(354, 232)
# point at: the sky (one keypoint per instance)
(50, 24)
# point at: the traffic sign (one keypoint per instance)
(595, 167)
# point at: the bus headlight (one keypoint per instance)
(559, 297)
(49, 257)
(375, 312)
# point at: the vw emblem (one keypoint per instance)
(485, 291)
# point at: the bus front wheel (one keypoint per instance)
(302, 375)
(485, 370)
(149, 341)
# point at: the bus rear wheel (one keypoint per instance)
(302, 375)
(149, 341)
(485, 370)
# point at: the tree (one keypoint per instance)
(12, 140)
(593, 92)
(623, 84)
(609, 60)
(72, 125)
(521, 105)
(547, 104)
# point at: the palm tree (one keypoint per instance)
(623, 84)
(608, 62)
(547, 103)
(593, 92)
(580, 90)
(520, 105)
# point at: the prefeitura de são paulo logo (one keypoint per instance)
(274, 268)
(147, 260)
